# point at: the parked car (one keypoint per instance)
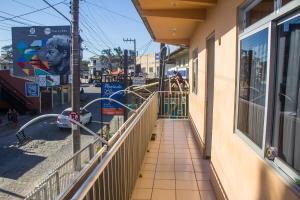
(63, 122)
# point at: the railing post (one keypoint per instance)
(57, 182)
(91, 150)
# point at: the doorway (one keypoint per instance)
(210, 47)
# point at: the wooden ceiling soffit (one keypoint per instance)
(188, 14)
(200, 2)
(185, 42)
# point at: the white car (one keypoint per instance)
(63, 122)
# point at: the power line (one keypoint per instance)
(28, 6)
(52, 6)
(97, 25)
(89, 27)
(5, 18)
(116, 13)
(34, 11)
(21, 18)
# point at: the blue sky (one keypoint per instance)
(104, 23)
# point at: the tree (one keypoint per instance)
(7, 53)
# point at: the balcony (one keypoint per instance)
(173, 167)
(154, 155)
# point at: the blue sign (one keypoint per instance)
(32, 89)
(110, 107)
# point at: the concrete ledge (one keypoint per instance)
(216, 183)
(197, 136)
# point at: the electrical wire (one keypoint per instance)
(28, 6)
(13, 20)
(98, 26)
(22, 18)
(34, 11)
(113, 12)
(91, 29)
(61, 14)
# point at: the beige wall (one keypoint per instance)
(243, 174)
(148, 61)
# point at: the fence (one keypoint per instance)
(65, 174)
(173, 104)
(114, 177)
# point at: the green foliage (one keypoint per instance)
(7, 52)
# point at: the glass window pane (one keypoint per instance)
(252, 85)
(259, 11)
(286, 130)
(195, 71)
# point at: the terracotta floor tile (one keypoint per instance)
(202, 176)
(184, 168)
(150, 160)
(165, 175)
(144, 183)
(204, 185)
(208, 195)
(165, 161)
(141, 194)
(165, 168)
(164, 184)
(148, 167)
(147, 174)
(159, 194)
(185, 176)
(187, 195)
(186, 185)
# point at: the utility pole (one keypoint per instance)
(134, 48)
(75, 58)
(125, 81)
(161, 86)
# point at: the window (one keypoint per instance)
(286, 128)
(195, 71)
(252, 85)
(268, 97)
(258, 10)
(150, 69)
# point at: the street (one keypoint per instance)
(23, 168)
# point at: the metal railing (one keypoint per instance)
(114, 177)
(65, 173)
(173, 104)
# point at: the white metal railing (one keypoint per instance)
(173, 104)
(64, 174)
(115, 175)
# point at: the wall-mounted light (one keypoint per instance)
(173, 31)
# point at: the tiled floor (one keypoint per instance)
(173, 168)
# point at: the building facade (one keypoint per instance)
(149, 64)
(245, 97)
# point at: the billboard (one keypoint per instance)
(41, 50)
(112, 108)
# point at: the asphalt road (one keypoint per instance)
(23, 168)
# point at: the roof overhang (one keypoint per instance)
(172, 21)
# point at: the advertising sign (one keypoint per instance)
(41, 50)
(109, 107)
(157, 56)
(32, 89)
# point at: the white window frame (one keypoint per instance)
(280, 15)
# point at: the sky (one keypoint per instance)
(103, 23)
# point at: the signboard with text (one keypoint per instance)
(110, 107)
(32, 89)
